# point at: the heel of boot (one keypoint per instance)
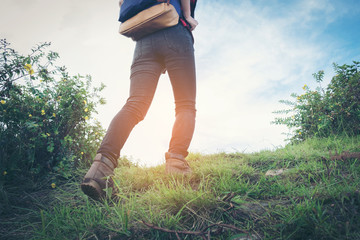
(92, 189)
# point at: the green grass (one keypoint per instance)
(316, 197)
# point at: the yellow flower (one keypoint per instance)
(3, 101)
(53, 185)
(54, 115)
(43, 112)
(5, 173)
(96, 133)
(82, 153)
(304, 87)
(30, 115)
(86, 109)
(299, 133)
(27, 66)
(86, 118)
(29, 69)
(85, 102)
(48, 134)
(41, 80)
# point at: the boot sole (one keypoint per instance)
(92, 189)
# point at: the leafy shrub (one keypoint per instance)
(45, 115)
(325, 112)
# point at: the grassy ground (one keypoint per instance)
(228, 196)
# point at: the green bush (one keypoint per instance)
(46, 120)
(325, 112)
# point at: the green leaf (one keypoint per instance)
(50, 148)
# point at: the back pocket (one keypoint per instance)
(179, 39)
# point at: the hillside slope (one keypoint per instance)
(304, 191)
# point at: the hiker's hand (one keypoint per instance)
(120, 2)
(193, 23)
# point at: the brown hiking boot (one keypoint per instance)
(176, 163)
(98, 177)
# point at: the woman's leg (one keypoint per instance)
(145, 73)
(180, 64)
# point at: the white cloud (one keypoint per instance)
(244, 56)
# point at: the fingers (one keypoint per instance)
(194, 24)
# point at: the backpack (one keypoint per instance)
(150, 20)
(130, 8)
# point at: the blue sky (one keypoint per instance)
(249, 55)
